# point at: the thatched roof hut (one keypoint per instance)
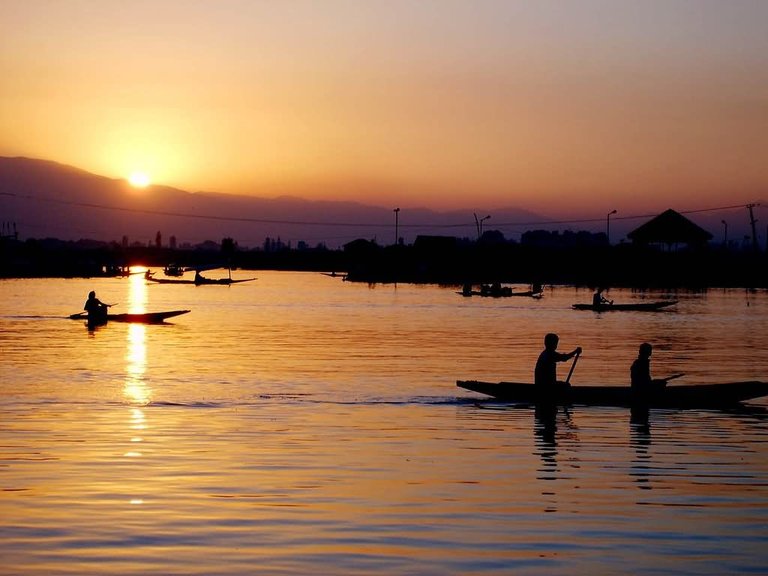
(670, 228)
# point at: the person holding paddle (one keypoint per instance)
(97, 310)
(640, 373)
(599, 300)
(545, 374)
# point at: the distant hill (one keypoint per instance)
(47, 199)
(50, 200)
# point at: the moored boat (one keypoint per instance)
(672, 396)
(200, 281)
(636, 306)
(136, 318)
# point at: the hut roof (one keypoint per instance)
(670, 227)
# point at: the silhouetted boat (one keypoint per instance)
(677, 396)
(499, 291)
(637, 306)
(173, 270)
(504, 293)
(199, 281)
(137, 318)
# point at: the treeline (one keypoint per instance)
(441, 260)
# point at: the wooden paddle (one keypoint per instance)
(570, 373)
(668, 378)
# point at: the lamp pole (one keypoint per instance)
(725, 233)
(608, 225)
(479, 224)
(397, 224)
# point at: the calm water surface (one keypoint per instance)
(300, 424)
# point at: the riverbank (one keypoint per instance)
(446, 262)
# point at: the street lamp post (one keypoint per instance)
(608, 225)
(397, 224)
(725, 233)
(479, 224)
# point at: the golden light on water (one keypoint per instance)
(137, 290)
(136, 389)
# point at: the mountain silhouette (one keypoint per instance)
(46, 199)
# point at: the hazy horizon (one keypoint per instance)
(48, 198)
(566, 109)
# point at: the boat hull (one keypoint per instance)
(503, 294)
(203, 282)
(673, 396)
(638, 306)
(141, 318)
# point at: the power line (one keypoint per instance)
(347, 224)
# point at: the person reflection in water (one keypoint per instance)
(545, 374)
(640, 373)
(97, 310)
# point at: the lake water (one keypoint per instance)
(300, 424)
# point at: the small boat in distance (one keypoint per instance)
(202, 281)
(496, 290)
(672, 396)
(638, 306)
(173, 270)
(136, 318)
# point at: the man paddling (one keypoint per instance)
(97, 310)
(640, 373)
(545, 374)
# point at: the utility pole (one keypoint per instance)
(754, 228)
(397, 225)
(479, 224)
(608, 225)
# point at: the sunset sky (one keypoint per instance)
(570, 106)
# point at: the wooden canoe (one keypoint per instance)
(637, 306)
(502, 294)
(140, 318)
(200, 282)
(673, 396)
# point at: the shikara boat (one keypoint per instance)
(199, 281)
(637, 306)
(498, 291)
(672, 396)
(503, 294)
(141, 318)
(173, 270)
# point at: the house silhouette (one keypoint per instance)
(670, 228)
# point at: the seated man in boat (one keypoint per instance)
(640, 373)
(97, 310)
(545, 374)
(599, 300)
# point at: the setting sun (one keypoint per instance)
(139, 179)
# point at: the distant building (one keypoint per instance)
(670, 229)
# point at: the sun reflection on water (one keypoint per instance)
(136, 389)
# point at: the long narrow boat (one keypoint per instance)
(503, 294)
(200, 281)
(140, 318)
(673, 396)
(637, 306)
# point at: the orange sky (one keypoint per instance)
(565, 107)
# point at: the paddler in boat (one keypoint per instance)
(97, 310)
(545, 374)
(599, 300)
(640, 373)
